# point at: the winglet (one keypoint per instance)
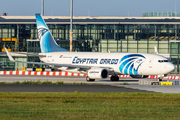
(9, 55)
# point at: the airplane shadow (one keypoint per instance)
(120, 81)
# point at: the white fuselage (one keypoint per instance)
(121, 63)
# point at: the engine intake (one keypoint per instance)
(98, 73)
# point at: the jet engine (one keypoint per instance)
(98, 73)
(139, 76)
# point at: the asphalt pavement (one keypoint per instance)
(108, 86)
(65, 88)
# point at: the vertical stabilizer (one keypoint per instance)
(47, 42)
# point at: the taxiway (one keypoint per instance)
(108, 86)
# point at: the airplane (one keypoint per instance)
(97, 65)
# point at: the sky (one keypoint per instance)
(132, 8)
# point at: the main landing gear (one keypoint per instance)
(114, 78)
(89, 80)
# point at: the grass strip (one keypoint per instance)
(55, 83)
(50, 83)
(46, 106)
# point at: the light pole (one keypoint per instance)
(42, 8)
(71, 32)
(175, 9)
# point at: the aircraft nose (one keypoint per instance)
(171, 67)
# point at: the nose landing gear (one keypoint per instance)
(159, 79)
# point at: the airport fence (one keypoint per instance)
(48, 73)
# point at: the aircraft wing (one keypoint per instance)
(30, 54)
(4, 53)
(55, 64)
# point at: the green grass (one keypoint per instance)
(48, 82)
(124, 83)
(33, 82)
(79, 106)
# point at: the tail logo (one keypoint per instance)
(129, 64)
(41, 32)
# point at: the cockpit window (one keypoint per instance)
(166, 61)
(161, 61)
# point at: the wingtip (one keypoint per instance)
(6, 49)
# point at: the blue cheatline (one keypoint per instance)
(127, 64)
(47, 42)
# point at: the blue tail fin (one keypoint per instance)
(47, 42)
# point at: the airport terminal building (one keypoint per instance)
(94, 34)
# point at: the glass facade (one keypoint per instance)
(96, 37)
(104, 38)
(161, 14)
(175, 55)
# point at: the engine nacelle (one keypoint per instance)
(139, 76)
(98, 73)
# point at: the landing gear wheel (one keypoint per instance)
(117, 78)
(52, 69)
(89, 80)
(159, 79)
(114, 78)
